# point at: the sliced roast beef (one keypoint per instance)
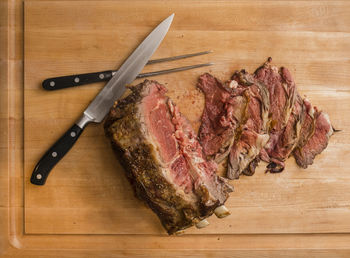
(225, 108)
(253, 133)
(321, 131)
(274, 122)
(282, 92)
(307, 125)
(298, 133)
(288, 139)
(163, 159)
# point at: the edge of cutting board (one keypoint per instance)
(15, 243)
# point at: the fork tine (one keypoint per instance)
(154, 61)
(178, 69)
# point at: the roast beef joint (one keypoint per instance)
(163, 159)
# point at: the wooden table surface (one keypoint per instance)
(87, 206)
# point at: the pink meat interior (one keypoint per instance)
(221, 114)
(160, 125)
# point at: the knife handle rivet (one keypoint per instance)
(54, 154)
(101, 76)
(52, 83)
(76, 79)
(73, 134)
(39, 176)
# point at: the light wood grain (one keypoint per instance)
(189, 253)
(87, 190)
(87, 206)
(4, 58)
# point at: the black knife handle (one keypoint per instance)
(76, 80)
(54, 155)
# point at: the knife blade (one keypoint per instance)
(101, 104)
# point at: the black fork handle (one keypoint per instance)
(63, 82)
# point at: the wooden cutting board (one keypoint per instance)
(87, 193)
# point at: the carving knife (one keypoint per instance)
(102, 103)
